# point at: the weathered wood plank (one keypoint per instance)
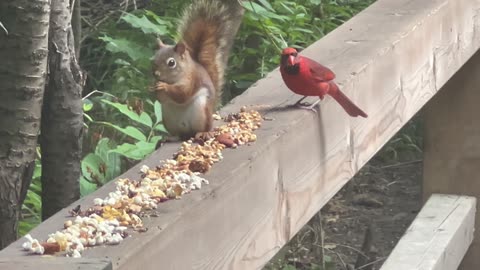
(439, 236)
(54, 263)
(390, 59)
(452, 143)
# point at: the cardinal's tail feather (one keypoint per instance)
(352, 109)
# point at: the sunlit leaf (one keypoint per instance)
(93, 167)
(86, 187)
(122, 45)
(158, 111)
(87, 105)
(136, 151)
(144, 24)
(143, 118)
(267, 5)
(112, 160)
(130, 131)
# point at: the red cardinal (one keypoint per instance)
(308, 78)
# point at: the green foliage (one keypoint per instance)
(99, 167)
(125, 52)
(140, 137)
(143, 118)
(288, 23)
(31, 214)
(406, 144)
(146, 138)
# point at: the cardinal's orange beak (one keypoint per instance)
(291, 60)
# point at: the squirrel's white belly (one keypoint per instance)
(186, 118)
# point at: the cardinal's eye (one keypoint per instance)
(171, 63)
(294, 54)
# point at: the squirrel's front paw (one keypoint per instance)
(201, 137)
(160, 86)
(160, 91)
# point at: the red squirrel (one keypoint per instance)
(189, 75)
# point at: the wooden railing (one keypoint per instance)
(391, 59)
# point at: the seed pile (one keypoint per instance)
(107, 221)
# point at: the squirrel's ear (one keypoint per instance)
(180, 48)
(159, 43)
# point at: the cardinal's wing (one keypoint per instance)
(319, 72)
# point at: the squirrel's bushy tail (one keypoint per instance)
(208, 28)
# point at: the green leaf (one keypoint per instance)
(26, 225)
(91, 168)
(129, 131)
(136, 151)
(160, 127)
(112, 160)
(289, 10)
(267, 5)
(146, 119)
(327, 258)
(143, 118)
(36, 186)
(254, 7)
(33, 199)
(144, 24)
(86, 187)
(88, 117)
(157, 18)
(87, 105)
(37, 172)
(132, 132)
(121, 45)
(155, 139)
(122, 62)
(158, 111)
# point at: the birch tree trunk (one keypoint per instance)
(23, 54)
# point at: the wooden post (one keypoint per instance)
(439, 236)
(452, 143)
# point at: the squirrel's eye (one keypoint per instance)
(171, 62)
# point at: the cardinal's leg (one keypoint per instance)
(300, 104)
(324, 87)
(310, 107)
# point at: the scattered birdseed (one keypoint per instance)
(107, 221)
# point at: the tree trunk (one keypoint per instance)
(62, 123)
(23, 53)
(77, 27)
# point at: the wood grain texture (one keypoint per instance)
(452, 143)
(439, 236)
(390, 60)
(54, 263)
